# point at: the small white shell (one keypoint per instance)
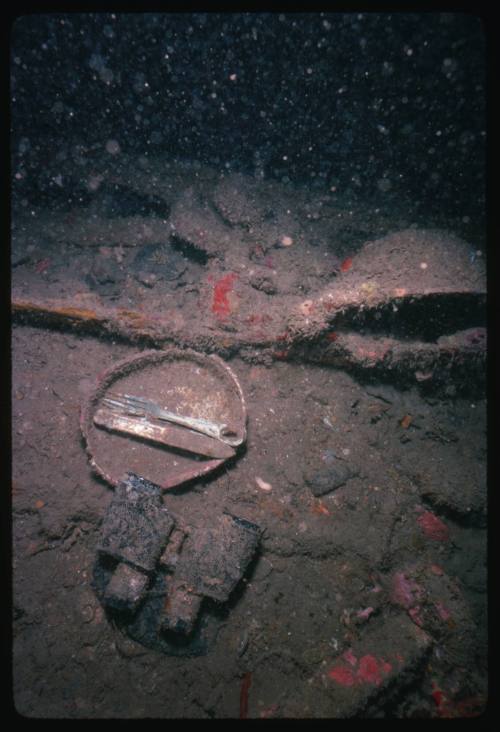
(263, 485)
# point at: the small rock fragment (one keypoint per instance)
(330, 478)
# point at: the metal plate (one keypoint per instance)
(184, 381)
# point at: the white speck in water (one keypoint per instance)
(112, 147)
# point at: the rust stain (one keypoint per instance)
(132, 315)
(245, 687)
(320, 508)
(77, 313)
(47, 310)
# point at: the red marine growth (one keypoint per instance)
(369, 670)
(433, 527)
(220, 304)
(346, 264)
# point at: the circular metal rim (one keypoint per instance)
(134, 363)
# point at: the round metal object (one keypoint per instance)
(183, 381)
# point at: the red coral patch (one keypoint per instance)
(433, 527)
(220, 304)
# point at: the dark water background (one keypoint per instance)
(366, 103)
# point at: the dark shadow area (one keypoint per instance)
(194, 254)
(419, 318)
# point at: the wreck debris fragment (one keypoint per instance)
(384, 315)
(203, 387)
(134, 533)
(154, 572)
(164, 434)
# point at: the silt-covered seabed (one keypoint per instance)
(356, 327)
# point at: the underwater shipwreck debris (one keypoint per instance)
(167, 453)
(385, 316)
(212, 562)
(146, 420)
(134, 532)
(163, 434)
(376, 664)
(392, 318)
(385, 281)
(152, 572)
